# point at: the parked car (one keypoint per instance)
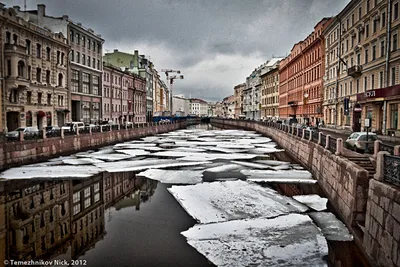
(312, 128)
(28, 132)
(52, 130)
(72, 126)
(358, 141)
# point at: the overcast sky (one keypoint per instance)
(215, 43)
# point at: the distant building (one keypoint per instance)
(228, 107)
(180, 105)
(238, 93)
(85, 80)
(198, 107)
(270, 92)
(137, 64)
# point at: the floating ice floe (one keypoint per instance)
(61, 158)
(223, 168)
(112, 156)
(235, 146)
(315, 202)
(207, 156)
(141, 165)
(233, 200)
(252, 165)
(289, 240)
(133, 146)
(108, 150)
(267, 145)
(188, 149)
(173, 176)
(81, 161)
(225, 150)
(265, 150)
(150, 138)
(281, 167)
(134, 152)
(50, 172)
(272, 162)
(291, 176)
(332, 228)
(255, 142)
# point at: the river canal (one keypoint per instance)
(195, 197)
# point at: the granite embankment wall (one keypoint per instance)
(357, 199)
(30, 151)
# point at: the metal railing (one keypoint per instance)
(307, 134)
(315, 137)
(332, 144)
(323, 140)
(391, 173)
(114, 127)
(299, 132)
(387, 148)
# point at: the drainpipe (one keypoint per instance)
(388, 40)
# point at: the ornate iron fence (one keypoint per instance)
(323, 140)
(307, 134)
(391, 171)
(388, 148)
(315, 136)
(332, 144)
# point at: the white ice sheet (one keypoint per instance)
(50, 172)
(315, 202)
(173, 176)
(332, 228)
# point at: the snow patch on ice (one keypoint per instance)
(332, 228)
(50, 172)
(313, 201)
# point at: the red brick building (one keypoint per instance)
(301, 78)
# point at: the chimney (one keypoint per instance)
(65, 17)
(17, 8)
(41, 10)
(115, 50)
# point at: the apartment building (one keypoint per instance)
(301, 78)
(238, 93)
(116, 84)
(198, 107)
(35, 71)
(161, 95)
(270, 91)
(362, 67)
(252, 95)
(85, 68)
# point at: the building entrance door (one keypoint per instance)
(12, 121)
(356, 121)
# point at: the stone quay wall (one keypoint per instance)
(382, 225)
(18, 153)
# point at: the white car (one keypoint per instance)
(73, 126)
(358, 141)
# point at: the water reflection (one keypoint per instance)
(47, 219)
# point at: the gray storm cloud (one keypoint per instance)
(216, 44)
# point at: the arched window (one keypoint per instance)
(60, 80)
(21, 69)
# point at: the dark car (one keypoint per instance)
(52, 131)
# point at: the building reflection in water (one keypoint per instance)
(63, 219)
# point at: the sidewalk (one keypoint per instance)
(392, 140)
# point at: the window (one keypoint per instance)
(366, 56)
(359, 59)
(352, 19)
(29, 97)
(88, 61)
(351, 88)
(393, 76)
(38, 51)
(396, 11)
(21, 69)
(373, 52)
(372, 81)
(72, 55)
(88, 202)
(83, 59)
(94, 63)
(95, 89)
(381, 79)
(358, 86)
(71, 36)
(77, 208)
(83, 41)
(367, 6)
(382, 48)
(383, 20)
(58, 57)
(78, 57)
(367, 31)
(365, 83)
(88, 44)
(8, 37)
(394, 116)
(96, 197)
(60, 80)
(39, 98)
(28, 46)
(98, 64)
(394, 47)
(76, 197)
(15, 39)
(48, 99)
(87, 192)
(78, 38)
(38, 74)
(48, 77)
(359, 13)
(48, 53)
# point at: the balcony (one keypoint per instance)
(354, 71)
(13, 48)
(17, 82)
